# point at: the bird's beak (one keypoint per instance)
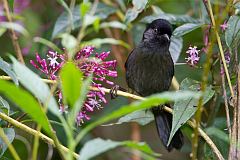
(166, 36)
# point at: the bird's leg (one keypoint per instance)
(114, 89)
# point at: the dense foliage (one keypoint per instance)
(60, 59)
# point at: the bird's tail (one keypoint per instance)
(163, 122)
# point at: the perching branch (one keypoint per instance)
(119, 93)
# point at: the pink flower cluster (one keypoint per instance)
(193, 56)
(89, 63)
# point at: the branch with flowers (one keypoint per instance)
(119, 93)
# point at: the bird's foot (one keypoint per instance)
(113, 91)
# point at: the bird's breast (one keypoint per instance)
(151, 73)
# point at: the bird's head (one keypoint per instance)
(160, 30)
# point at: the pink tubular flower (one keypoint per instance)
(193, 57)
(227, 60)
(206, 38)
(224, 26)
(89, 63)
(50, 66)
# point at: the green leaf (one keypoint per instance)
(11, 5)
(141, 117)
(172, 18)
(26, 102)
(157, 10)
(10, 133)
(98, 146)
(137, 33)
(47, 43)
(113, 24)
(89, 19)
(98, 42)
(2, 31)
(35, 85)
(81, 99)
(70, 16)
(7, 68)
(141, 146)
(132, 13)
(4, 106)
(69, 42)
(71, 79)
(15, 26)
(84, 8)
(62, 23)
(232, 33)
(186, 28)
(237, 8)
(139, 4)
(176, 47)
(183, 110)
(96, 25)
(150, 101)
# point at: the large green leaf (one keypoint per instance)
(10, 133)
(176, 47)
(232, 33)
(35, 85)
(98, 146)
(7, 68)
(62, 23)
(26, 102)
(150, 101)
(71, 79)
(183, 110)
(186, 28)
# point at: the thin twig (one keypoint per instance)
(36, 144)
(226, 104)
(34, 132)
(208, 141)
(119, 93)
(13, 34)
(9, 145)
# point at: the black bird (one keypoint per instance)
(150, 69)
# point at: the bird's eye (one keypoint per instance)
(155, 30)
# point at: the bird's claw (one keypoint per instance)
(113, 91)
